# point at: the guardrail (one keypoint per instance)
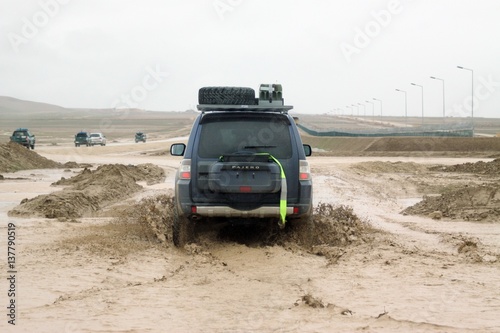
(453, 130)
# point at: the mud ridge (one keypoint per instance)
(90, 191)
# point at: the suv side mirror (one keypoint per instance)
(177, 149)
(307, 150)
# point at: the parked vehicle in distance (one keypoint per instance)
(140, 136)
(244, 163)
(82, 138)
(24, 137)
(97, 139)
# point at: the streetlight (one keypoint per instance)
(357, 108)
(436, 78)
(421, 87)
(472, 95)
(373, 107)
(364, 108)
(406, 105)
(348, 106)
(380, 106)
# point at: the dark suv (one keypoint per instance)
(82, 138)
(24, 137)
(140, 136)
(244, 163)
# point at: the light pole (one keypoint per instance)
(406, 105)
(348, 106)
(472, 95)
(373, 107)
(357, 108)
(436, 78)
(421, 87)
(380, 106)
(364, 108)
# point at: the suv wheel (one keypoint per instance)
(226, 95)
(183, 229)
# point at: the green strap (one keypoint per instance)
(283, 202)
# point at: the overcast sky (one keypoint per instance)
(327, 54)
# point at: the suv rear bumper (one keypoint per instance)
(224, 211)
(190, 209)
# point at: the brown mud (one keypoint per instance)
(362, 266)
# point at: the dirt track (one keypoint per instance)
(411, 274)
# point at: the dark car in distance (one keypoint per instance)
(82, 138)
(24, 137)
(140, 136)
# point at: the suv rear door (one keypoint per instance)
(241, 179)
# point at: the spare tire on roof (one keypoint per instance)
(226, 95)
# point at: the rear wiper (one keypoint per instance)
(255, 147)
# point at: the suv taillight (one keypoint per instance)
(185, 169)
(304, 170)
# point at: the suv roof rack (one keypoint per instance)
(263, 108)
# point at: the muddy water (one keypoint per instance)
(410, 277)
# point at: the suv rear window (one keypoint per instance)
(231, 134)
(82, 134)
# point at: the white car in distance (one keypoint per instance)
(97, 139)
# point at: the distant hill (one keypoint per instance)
(10, 106)
(13, 108)
(51, 122)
